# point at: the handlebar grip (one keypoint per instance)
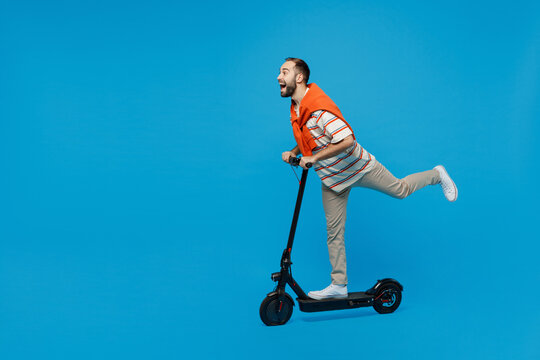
(295, 161)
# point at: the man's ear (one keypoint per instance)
(299, 78)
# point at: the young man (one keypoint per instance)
(327, 141)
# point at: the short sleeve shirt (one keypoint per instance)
(342, 170)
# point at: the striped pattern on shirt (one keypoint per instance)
(342, 170)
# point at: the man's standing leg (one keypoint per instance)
(335, 209)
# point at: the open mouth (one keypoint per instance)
(282, 86)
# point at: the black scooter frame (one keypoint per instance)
(284, 276)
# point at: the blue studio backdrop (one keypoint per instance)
(144, 202)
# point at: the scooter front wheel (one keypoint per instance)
(276, 309)
(387, 299)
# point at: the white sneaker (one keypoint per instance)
(448, 187)
(332, 291)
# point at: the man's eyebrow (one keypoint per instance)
(284, 68)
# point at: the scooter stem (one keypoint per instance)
(297, 210)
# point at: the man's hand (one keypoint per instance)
(286, 155)
(307, 159)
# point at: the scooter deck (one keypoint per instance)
(354, 300)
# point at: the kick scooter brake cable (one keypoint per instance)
(294, 162)
(295, 174)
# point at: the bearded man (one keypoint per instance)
(326, 140)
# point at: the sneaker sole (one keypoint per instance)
(317, 297)
(452, 181)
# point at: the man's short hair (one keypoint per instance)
(300, 66)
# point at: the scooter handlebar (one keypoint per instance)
(295, 161)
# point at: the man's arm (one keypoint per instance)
(287, 154)
(328, 152)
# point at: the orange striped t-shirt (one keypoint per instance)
(342, 170)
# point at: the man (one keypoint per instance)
(327, 141)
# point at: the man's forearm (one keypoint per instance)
(295, 150)
(334, 149)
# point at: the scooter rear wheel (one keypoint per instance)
(387, 299)
(276, 309)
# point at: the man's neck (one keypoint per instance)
(299, 94)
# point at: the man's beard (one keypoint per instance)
(289, 90)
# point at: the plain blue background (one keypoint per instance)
(144, 203)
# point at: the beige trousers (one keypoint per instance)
(335, 208)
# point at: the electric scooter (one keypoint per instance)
(277, 307)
